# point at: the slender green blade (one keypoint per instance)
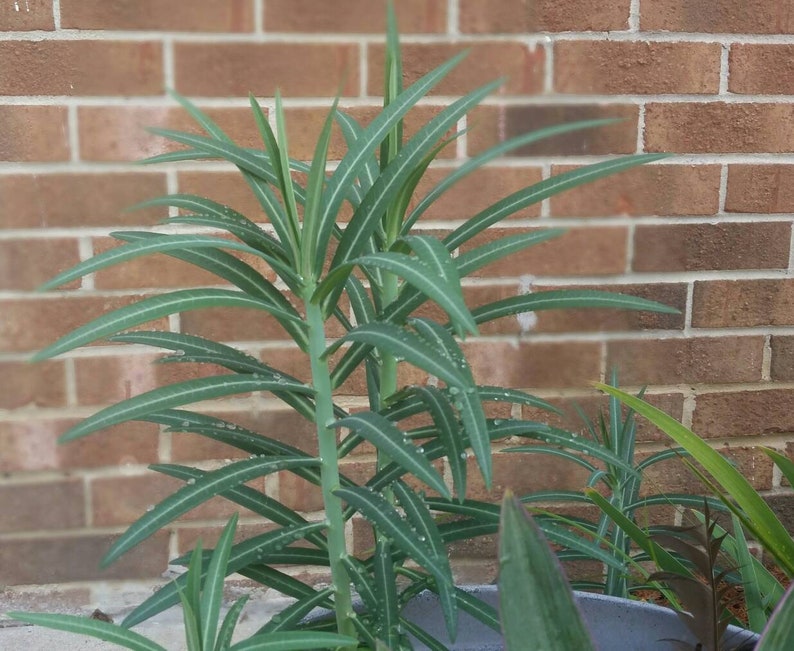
(477, 258)
(212, 594)
(536, 602)
(783, 462)
(387, 609)
(192, 495)
(152, 308)
(760, 517)
(751, 581)
(352, 131)
(226, 631)
(294, 641)
(385, 436)
(92, 627)
(779, 633)
(295, 613)
(175, 395)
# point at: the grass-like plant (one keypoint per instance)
(384, 269)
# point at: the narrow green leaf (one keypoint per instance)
(751, 581)
(362, 581)
(92, 627)
(226, 631)
(212, 594)
(294, 613)
(175, 395)
(352, 131)
(191, 599)
(152, 308)
(534, 596)
(783, 462)
(779, 633)
(387, 612)
(294, 641)
(191, 495)
(478, 257)
(385, 436)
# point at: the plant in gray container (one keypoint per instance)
(384, 269)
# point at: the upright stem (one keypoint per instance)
(329, 464)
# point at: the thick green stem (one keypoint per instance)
(329, 460)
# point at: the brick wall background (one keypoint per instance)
(708, 231)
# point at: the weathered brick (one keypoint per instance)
(30, 444)
(27, 263)
(647, 190)
(67, 200)
(637, 67)
(353, 16)
(50, 505)
(102, 380)
(25, 16)
(29, 325)
(697, 360)
(232, 324)
(177, 15)
(32, 385)
(117, 133)
(596, 320)
(522, 65)
(525, 16)
(306, 70)
(743, 303)
(492, 124)
(694, 247)
(759, 68)
(81, 68)
(530, 365)
(782, 358)
(744, 413)
(122, 500)
(760, 188)
(33, 133)
(187, 536)
(733, 16)
(579, 251)
(63, 559)
(718, 127)
(296, 493)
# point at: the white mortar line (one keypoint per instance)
(724, 69)
(169, 73)
(259, 17)
(641, 129)
(634, 16)
(453, 18)
(688, 410)
(690, 291)
(73, 133)
(791, 253)
(548, 72)
(56, 15)
(85, 249)
(461, 144)
(70, 382)
(766, 361)
(723, 191)
(630, 232)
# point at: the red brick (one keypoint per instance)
(33, 133)
(676, 361)
(188, 536)
(32, 324)
(522, 65)
(177, 15)
(745, 413)
(743, 303)
(530, 365)
(646, 190)
(26, 264)
(733, 16)
(228, 188)
(694, 247)
(717, 127)
(296, 493)
(580, 251)
(353, 16)
(758, 68)
(32, 385)
(63, 559)
(477, 191)
(66, 200)
(782, 358)
(30, 444)
(760, 188)
(276, 423)
(110, 133)
(81, 68)
(52, 505)
(492, 124)
(122, 500)
(103, 380)
(523, 16)
(598, 320)
(232, 324)
(25, 16)
(228, 69)
(637, 67)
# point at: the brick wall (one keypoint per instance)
(707, 231)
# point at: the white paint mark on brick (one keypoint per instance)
(526, 320)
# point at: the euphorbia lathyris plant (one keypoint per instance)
(384, 269)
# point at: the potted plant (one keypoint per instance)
(384, 269)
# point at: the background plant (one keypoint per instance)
(385, 270)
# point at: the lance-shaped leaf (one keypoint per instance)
(156, 307)
(385, 436)
(779, 632)
(387, 611)
(352, 131)
(212, 593)
(295, 641)
(193, 494)
(242, 555)
(92, 627)
(175, 395)
(295, 613)
(226, 631)
(536, 602)
(474, 259)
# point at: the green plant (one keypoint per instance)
(529, 573)
(384, 269)
(201, 599)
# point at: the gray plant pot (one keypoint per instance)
(615, 624)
